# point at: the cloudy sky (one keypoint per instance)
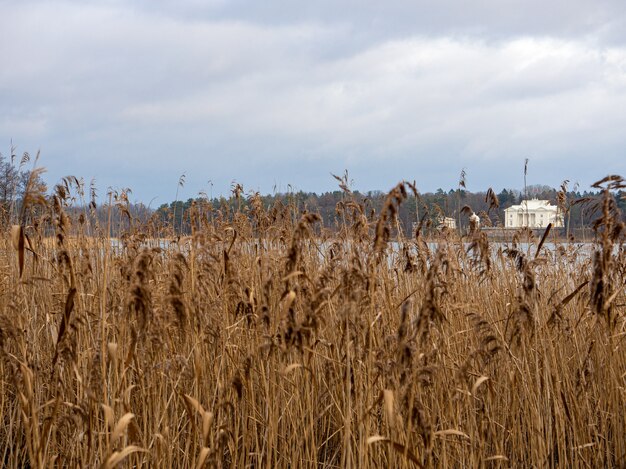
(278, 94)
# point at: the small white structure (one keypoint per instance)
(447, 222)
(533, 214)
(442, 222)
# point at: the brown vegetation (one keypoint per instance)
(263, 340)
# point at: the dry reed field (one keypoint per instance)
(263, 340)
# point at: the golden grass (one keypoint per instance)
(263, 341)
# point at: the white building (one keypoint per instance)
(442, 222)
(533, 214)
(447, 222)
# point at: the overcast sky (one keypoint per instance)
(276, 95)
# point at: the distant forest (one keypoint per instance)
(428, 207)
(174, 219)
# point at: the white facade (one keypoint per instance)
(533, 214)
(447, 222)
(442, 222)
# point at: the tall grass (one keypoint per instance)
(264, 341)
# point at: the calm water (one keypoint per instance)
(570, 251)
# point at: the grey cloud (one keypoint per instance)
(494, 19)
(266, 91)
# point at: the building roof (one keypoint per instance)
(533, 204)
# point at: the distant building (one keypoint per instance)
(446, 222)
(533, 214)
(442, 223)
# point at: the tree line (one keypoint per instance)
(428, 208)
(15, 179)
(118, 215)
